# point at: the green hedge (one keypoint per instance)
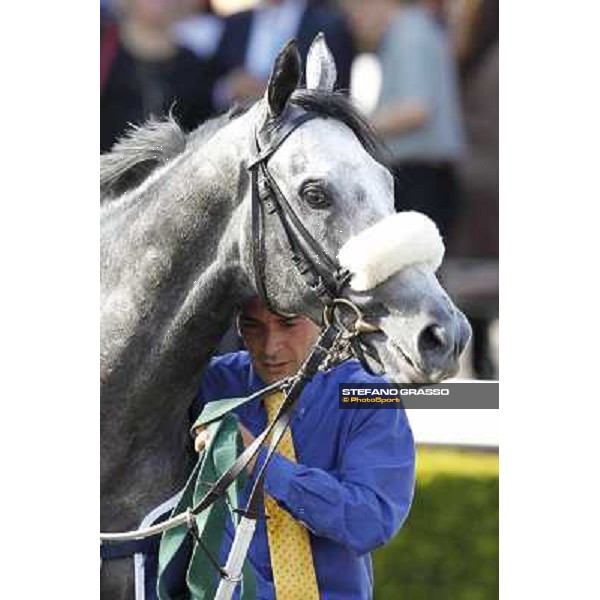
(448, 547)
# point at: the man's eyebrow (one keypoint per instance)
(288, 320)
(247, 319)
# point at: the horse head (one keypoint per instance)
(328, 171)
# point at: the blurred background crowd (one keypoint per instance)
(425, 72)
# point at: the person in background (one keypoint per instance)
(105, 11)
(144, 72)
(199, 29)
(476, 239)
(251, 40)
(418, 111)
(340, 486)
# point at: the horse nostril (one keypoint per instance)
(432, 339)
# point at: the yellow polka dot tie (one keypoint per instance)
(289, 543)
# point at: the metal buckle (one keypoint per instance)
(331, 314)
(264, 188)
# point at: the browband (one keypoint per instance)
(273, 132)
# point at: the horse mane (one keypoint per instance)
(143, 148)
(135, 155)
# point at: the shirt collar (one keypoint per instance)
(254, 383)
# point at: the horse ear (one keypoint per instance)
(321, 71)
(284, 78)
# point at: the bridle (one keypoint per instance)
(321, 272)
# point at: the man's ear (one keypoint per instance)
(321, 71)
(238, 325)
(284, 79)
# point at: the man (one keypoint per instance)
(350, 486)
(418, 111)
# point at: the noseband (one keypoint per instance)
(322, 273)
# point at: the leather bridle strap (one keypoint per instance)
(330, 278)
(274, 132)
(258, 242)
(322, 273)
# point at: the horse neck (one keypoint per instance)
(171, 278)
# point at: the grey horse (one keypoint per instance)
(176, 262)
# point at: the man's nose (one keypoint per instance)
(273, 340)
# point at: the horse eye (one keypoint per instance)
(314, 195)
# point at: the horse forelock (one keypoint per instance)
(337, 105)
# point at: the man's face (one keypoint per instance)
(277, 345)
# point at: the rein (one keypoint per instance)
(332, 347)
(213, 494)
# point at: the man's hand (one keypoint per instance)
(203, 436)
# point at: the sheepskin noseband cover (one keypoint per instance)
(392, 244)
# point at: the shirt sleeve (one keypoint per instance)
(363, 504)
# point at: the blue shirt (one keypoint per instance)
(352, 485)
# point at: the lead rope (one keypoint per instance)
(212, 494)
